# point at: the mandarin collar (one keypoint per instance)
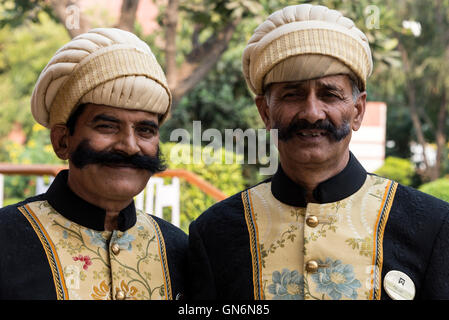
(74, 208)
(336, 188)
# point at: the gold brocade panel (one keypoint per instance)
(102, 265)
(322, 251)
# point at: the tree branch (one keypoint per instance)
(440, 135)
(171, 23)
(128, 15)
(202, 59)
(69, 14)
(411, 95)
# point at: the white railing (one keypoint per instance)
(157, 196)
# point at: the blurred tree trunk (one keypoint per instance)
(69, 14)
(414, 115)
(171, 24)
(425, 71)
(199, 61)
(128, 15)
(440, 136)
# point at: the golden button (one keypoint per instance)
(312, 221)
(120, 295)
(312, 266)
(115, 248)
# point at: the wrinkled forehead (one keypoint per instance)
(334, 82)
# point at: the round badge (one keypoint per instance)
(399, 286)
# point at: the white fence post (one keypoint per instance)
(41, 187)
(158, 195)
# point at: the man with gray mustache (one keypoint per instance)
(321, 227)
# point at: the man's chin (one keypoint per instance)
(306, 151)
(118, 178)
(119, 193)
(121, 189)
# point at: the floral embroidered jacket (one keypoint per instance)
(53, 246)
(268, 243)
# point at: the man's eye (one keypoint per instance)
(147, 131)
(291, 95)
(331, 95)
(104, 126)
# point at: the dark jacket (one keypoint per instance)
(25, 272)
(416, 238)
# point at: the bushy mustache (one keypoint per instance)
(285, 133)
(84, 155)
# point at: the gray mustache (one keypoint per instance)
(285, 133)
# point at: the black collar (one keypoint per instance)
(74, 208)
(340, 186)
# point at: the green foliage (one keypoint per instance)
(15, 13)
(226, 177)
(438, 188)
(37, 150)
(216, 13)
(400, 170)
(25, 51)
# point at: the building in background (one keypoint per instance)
(368, 143)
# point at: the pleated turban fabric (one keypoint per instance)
(105, 66)
(304, 42)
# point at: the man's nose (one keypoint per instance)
(312, 109)
(127, 142)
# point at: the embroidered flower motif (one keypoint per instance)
(96, 238)
(129, 292)
(101, 293)
(336, 280)
(287, 286)
(86, 259)
(125, 241)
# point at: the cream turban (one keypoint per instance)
(103, 66)
(304, 42)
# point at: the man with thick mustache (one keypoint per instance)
(103, 96)
(321, 227)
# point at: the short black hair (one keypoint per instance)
(71, 122)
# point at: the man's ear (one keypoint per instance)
(59, 135)
(262, 106)
(359, 109)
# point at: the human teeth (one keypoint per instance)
(310, 134)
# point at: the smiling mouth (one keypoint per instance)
(313, 134)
